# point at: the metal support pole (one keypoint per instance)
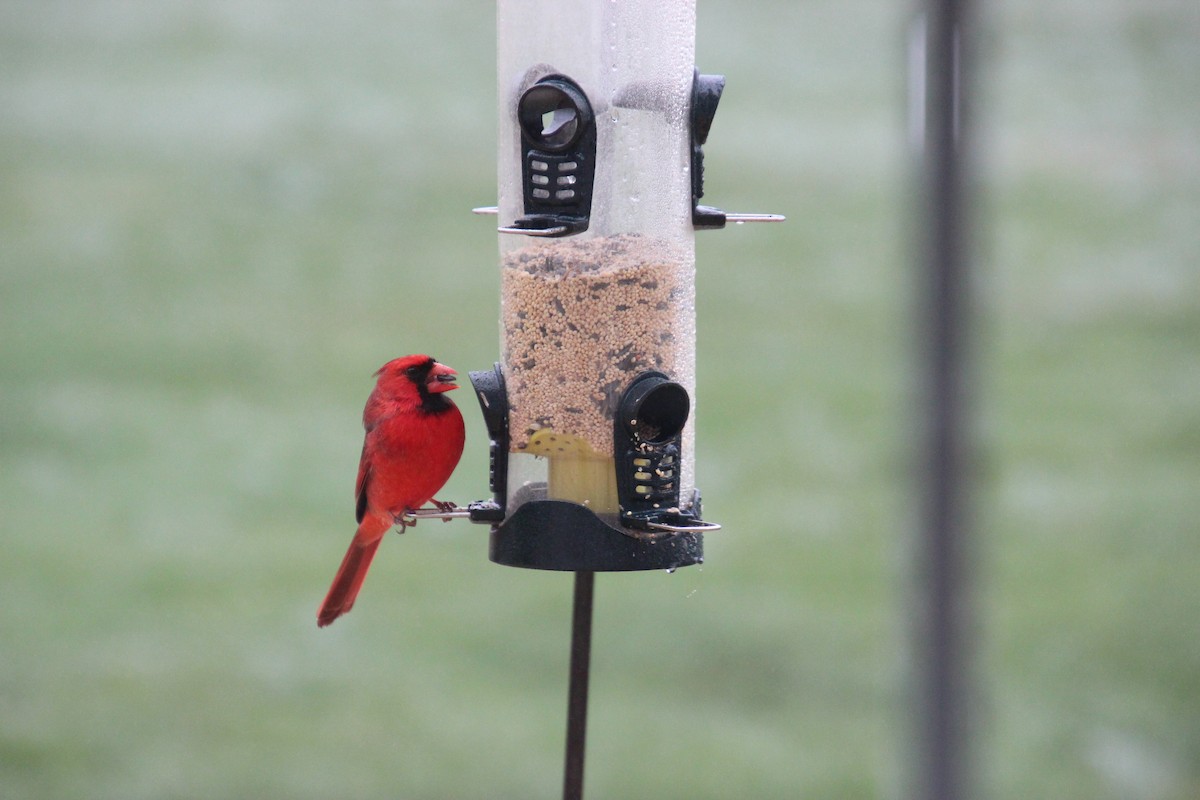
(577, 692)
(943, 612)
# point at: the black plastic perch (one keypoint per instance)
(589, 411)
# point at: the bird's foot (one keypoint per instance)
(404, 520)
(444, 507)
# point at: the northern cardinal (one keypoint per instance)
(414, 440)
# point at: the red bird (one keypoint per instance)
(414, 439)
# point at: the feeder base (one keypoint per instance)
(559, 535)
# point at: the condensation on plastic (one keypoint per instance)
(582, 315)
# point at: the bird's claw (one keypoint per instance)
(443, 511)
(444, 507)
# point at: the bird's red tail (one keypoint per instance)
(350, 574)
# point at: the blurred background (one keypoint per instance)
(217, 219)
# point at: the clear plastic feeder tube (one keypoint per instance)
(583, 314)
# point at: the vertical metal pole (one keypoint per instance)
(942, 644)
(577, 692)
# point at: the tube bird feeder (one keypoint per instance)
(602, 118)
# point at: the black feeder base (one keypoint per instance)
(559, 535)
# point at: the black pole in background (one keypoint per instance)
(943, 612)
(577, 692)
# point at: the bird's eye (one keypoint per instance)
(412, 372)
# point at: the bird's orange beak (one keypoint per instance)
(441, 378)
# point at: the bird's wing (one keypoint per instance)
(360, 487)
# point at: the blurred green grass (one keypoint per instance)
(217, 219)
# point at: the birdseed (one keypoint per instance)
(581, 319)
